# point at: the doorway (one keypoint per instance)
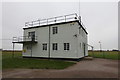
(84, 49)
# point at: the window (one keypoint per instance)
(55, 30)
(54, 46)
(45, 46)
(80, 45)
(79, 30)
(31, 33)
(66, 46)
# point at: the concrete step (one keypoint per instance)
(88, 58)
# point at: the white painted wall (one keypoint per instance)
(65, 34)
(82, 39)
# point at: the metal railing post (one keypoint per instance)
(65, 18)
(39, 22)
(25, 24)
(47, 21)
(55, 19)
(32, 23)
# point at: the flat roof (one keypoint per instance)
(57, 24)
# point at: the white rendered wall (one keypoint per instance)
(82, 38)
(65, 34)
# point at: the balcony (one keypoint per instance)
(25, 39)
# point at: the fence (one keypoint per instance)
(105, 54)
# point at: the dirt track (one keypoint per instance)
(96, 68)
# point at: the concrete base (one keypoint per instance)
(68, 59)
(88, 58)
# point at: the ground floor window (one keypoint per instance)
(44, 46)
(55, 46)
(66, 46)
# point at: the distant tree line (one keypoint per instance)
(105, 50)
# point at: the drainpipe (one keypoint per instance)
(31, 49)
(49, 43)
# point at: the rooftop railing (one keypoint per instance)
(52, 20)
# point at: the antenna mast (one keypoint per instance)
(79, 11)
(79, 7)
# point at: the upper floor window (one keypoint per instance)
(31, 33)
(55, 46)
(55, 30)
(44, 46)
(66, 46)
(80, 45)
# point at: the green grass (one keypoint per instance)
(18, 62)
(0, 60)
(8, 61)
(105, 54)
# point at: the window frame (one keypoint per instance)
(54, 30)
(80, 45)
(79, 30)
(44, 45)
(67, 46)
(31, 33)
(54, 46)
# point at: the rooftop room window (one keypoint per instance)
(66, 46)
(44, 46)
(55, 46)
(55, 30)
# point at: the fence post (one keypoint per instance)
(13, 50)
(103, 54)
(92, 51)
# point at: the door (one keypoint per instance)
(84, 49)
(29, 50)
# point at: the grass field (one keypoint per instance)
(0, 60)
(8, 61)
(105, 54)
(18, 62)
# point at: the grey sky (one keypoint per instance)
(100, 19)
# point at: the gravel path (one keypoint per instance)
(96, 68)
